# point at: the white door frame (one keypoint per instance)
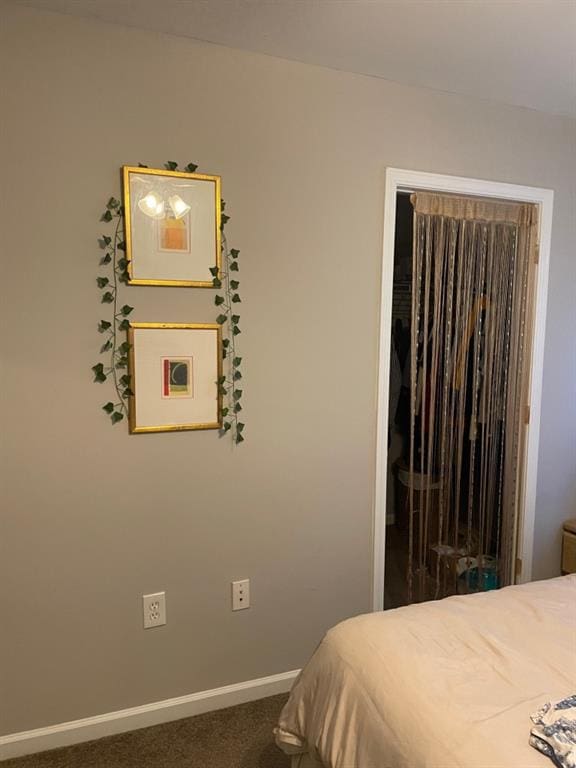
(398, 180)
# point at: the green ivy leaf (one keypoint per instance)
(122, 362)
(237, 361)
(222, 204)
(234, 284)
(221, 319)
(100, 377)
(116, 417)
(226, 426)
(190, 168)
(239, 438)
(218, 300)
(224, 354)
(237, 375)
(104, 241)
(107, 298)
(102, 281)
(106, 346)
(122, 263)
(112, 203)
(126, 309)
(224, 412)
(124, 348)
(125, 380)
(234, 252)
(171, 165)
(236, 330)
(235, 318)
(226, 343)
(127, 393)
(121, 245)
(109, 407)
(237, 407)
(224, 220)
(221, 390)
(221, 379)
(98, 368)
(104, 325)
(123, 325)
(236, 299)
(106, 216)
(237, 394)
(234, 266)
(106, 259)
(240, 427)
(217, 283)
(214, 271)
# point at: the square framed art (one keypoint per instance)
(174, 369)
(172, 222)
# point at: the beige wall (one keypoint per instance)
(93, 517)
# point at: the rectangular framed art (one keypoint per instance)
(172, 222)
(174, 369)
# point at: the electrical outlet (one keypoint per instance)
(240, 595)
(154, 609)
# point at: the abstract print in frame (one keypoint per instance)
(172, 222)
(174, 369)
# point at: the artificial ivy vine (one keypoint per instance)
(229, 384)
(117, 352)
(114, 260)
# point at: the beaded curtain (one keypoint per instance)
(471, 290)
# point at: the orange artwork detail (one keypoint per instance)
(173, 235)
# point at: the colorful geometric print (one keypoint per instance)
(176, 377)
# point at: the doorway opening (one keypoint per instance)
(397, 500)
(454, 500)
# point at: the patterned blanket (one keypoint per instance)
(554, 732)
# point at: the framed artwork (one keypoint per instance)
(172, 227)
(174, 369)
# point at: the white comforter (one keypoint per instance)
(438, 685)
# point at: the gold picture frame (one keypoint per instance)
(172, 227)
(174, 371)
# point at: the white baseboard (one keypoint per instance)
(89, 728)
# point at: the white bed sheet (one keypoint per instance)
(447, 684)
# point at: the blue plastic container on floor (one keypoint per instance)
(481, 580)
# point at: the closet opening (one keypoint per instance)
(463, 363)
(397, 501)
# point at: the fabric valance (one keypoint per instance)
(474, 208)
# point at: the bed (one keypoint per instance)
(446, 684)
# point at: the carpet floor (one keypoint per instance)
(238, 737)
